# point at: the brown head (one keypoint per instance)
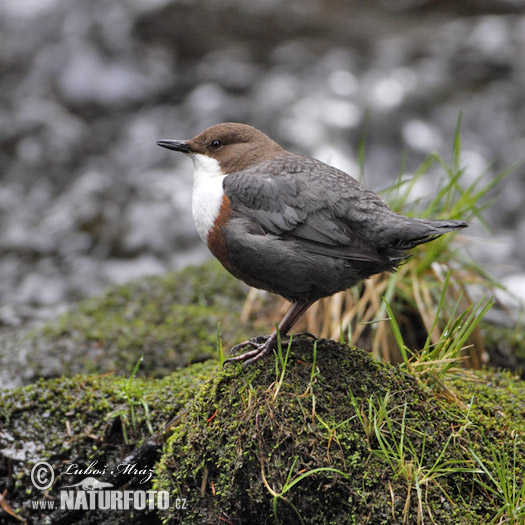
(235, 146)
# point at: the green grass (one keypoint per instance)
(290, 482)
(503, 482)
(220, 352)
(407, 459)
(132, 392)
(437, 361)
(281, 362)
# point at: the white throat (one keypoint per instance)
(207, 193)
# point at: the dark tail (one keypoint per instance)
(412, 231)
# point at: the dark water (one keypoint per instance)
(86, 88)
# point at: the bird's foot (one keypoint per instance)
(261, 344)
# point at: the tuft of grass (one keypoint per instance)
(289, 484)
(436, 362)
(501, 480)
(281, 362)
(132, 392)
(388, 438)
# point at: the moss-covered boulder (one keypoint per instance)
(344, 439)
(325, 435)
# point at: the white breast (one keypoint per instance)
(207, 193)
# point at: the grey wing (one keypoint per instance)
(289, 200)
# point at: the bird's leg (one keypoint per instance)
(262, 345)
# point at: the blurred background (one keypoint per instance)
(87, 199)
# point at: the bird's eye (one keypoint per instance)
(216, 144)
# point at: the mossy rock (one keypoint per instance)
(172, 320)
(253, 449)
(84, 420)
(241, 437)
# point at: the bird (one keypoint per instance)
(291, 224)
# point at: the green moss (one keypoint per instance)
(240, 439)
(172, 320)
(499, 400)
(81, 420)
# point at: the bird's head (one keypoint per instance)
(234, 146)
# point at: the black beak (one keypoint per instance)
(175, 145)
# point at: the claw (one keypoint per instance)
(261, 346)
(253, 341)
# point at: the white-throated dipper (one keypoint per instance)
(290, 224)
